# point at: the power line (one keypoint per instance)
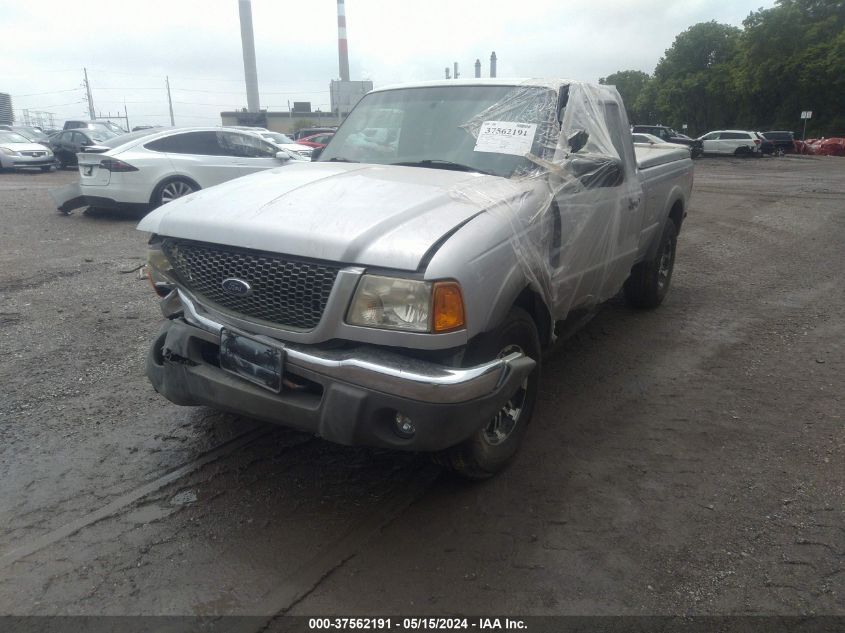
(38, 94)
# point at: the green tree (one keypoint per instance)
(793, 59)
(631, 84)
(695, 77)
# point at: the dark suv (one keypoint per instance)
(783, 141)
(669, 135)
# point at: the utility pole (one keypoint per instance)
(169, 100)
(126, 115)
(88, 93)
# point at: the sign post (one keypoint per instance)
(806, 114)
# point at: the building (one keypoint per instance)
(6, 116)
(344, 96)
(285, 122)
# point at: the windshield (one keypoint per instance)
(437, 126)
(11, 137)
(32, 134)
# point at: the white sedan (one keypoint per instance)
(141, 170)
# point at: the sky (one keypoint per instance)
(130, 46)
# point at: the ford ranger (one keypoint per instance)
(399, 290)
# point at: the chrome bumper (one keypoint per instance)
(379, 369)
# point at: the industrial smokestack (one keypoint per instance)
(477, 68)
(342, 46)
(448, 76)
(456, 70)
(493, 64)
(248, 42)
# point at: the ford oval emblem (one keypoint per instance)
(237, 287)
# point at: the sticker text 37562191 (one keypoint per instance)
(505, 137)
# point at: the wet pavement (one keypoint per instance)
(681, 461)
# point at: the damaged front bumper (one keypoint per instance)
(349, 396)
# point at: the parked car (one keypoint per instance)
(735, 142)
(67, 144)
(404, 301)
(311, 131)
(783, 140)
(31, 133)
(143, 169)
(18, 152)
(282, 141)
(114, 128)
(668, 135)
(316, 141)
(834, 146)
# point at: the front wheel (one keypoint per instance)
(490, 449)
(169, 190)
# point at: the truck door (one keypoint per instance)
(598, 208)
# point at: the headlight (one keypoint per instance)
(406, 304)
(9, 152)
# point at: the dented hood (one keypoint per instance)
(376, 215)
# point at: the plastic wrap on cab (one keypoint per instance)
(568, 209)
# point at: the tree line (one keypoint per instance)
(784, 60)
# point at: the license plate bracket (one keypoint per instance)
(88, 170)
(252, 360)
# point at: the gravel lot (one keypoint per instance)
(683, 461)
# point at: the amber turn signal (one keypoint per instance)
(448, 304)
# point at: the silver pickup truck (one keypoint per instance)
(399, 290)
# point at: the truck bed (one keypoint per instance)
(651, 156)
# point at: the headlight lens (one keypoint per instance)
(390, 303)
(9, 152)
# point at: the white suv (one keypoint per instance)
(736, 142)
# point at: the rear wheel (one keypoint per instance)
(491, 448)
(169, 190)
(648, 284)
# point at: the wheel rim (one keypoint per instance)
(664, 269)
(175, 189)
(503, 424)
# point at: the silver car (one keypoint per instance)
(17, 151)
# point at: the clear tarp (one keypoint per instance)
(570, 209)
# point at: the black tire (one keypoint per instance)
(46, 168)
(491, 448)
(742, 151)
(171, 189)
(649, 282)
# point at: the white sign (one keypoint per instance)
(505, 137)
(807, 114)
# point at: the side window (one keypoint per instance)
(79, 138)
(245, 145)
(733, 136)
(197, 143)
(710, 137)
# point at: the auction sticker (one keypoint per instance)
(505, 137)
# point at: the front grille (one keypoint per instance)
(34, 154)
(285, 291)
